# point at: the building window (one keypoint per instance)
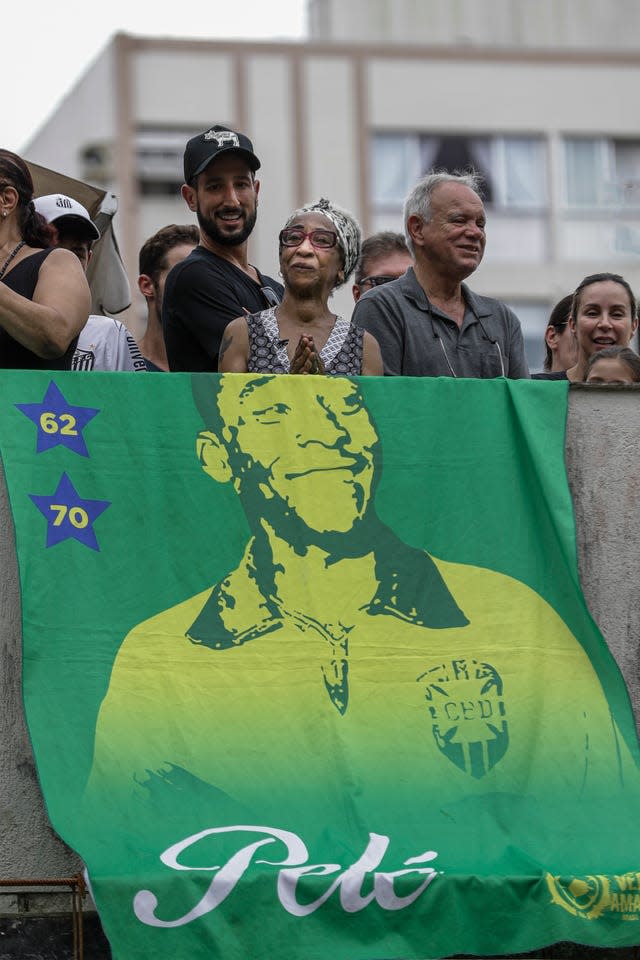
(97, 163)
(514, 177)
(159, 156)
(513, 169)
(601, 173)
(601, 217)
(520, 174)
(396, 163)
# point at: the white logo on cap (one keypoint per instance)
(223, 137)
(64, 202)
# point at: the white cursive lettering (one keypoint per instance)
(294, 866)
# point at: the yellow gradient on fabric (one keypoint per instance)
(256, 722)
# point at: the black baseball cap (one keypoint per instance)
(204, 148)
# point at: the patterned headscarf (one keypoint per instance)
(347, 228)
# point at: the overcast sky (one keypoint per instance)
(46, 46)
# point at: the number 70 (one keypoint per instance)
(78, 517)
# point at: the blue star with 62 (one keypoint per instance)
(58, 422)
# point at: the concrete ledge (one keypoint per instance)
(603, 466)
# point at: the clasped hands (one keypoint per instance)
(306, 359)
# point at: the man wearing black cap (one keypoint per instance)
(215, 283)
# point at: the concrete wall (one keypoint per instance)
(603, 465)
(575, 24)
(29, 847)
(603, 462)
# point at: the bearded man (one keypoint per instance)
(215, 283)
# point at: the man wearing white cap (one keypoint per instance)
(104, 343)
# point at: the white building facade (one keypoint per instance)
(540, 97)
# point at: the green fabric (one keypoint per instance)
(321, 682)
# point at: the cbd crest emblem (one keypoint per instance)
(468, 713)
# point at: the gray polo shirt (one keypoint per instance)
(419, 340)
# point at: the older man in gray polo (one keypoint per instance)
(428, 323)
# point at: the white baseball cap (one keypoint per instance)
(57, 206)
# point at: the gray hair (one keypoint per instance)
(347, 228)
(418, 203)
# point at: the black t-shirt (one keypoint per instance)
(204, 293)
(151, 366)
(557, 375)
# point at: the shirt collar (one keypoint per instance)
(415, 293)
(409, 586)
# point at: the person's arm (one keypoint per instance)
(61, 303)
(372, 313)
(371, 357)
(518, 369)
(234, 349)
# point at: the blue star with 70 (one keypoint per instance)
(68, 515)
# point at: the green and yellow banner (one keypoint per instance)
(307, 667)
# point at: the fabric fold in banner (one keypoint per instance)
(337, 687)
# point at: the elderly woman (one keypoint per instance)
(44, 296)
(319, 247)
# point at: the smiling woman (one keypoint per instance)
(319, 247)
(604, 314)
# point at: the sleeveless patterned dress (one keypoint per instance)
(341, 354)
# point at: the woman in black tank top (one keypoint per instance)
(44, 295)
